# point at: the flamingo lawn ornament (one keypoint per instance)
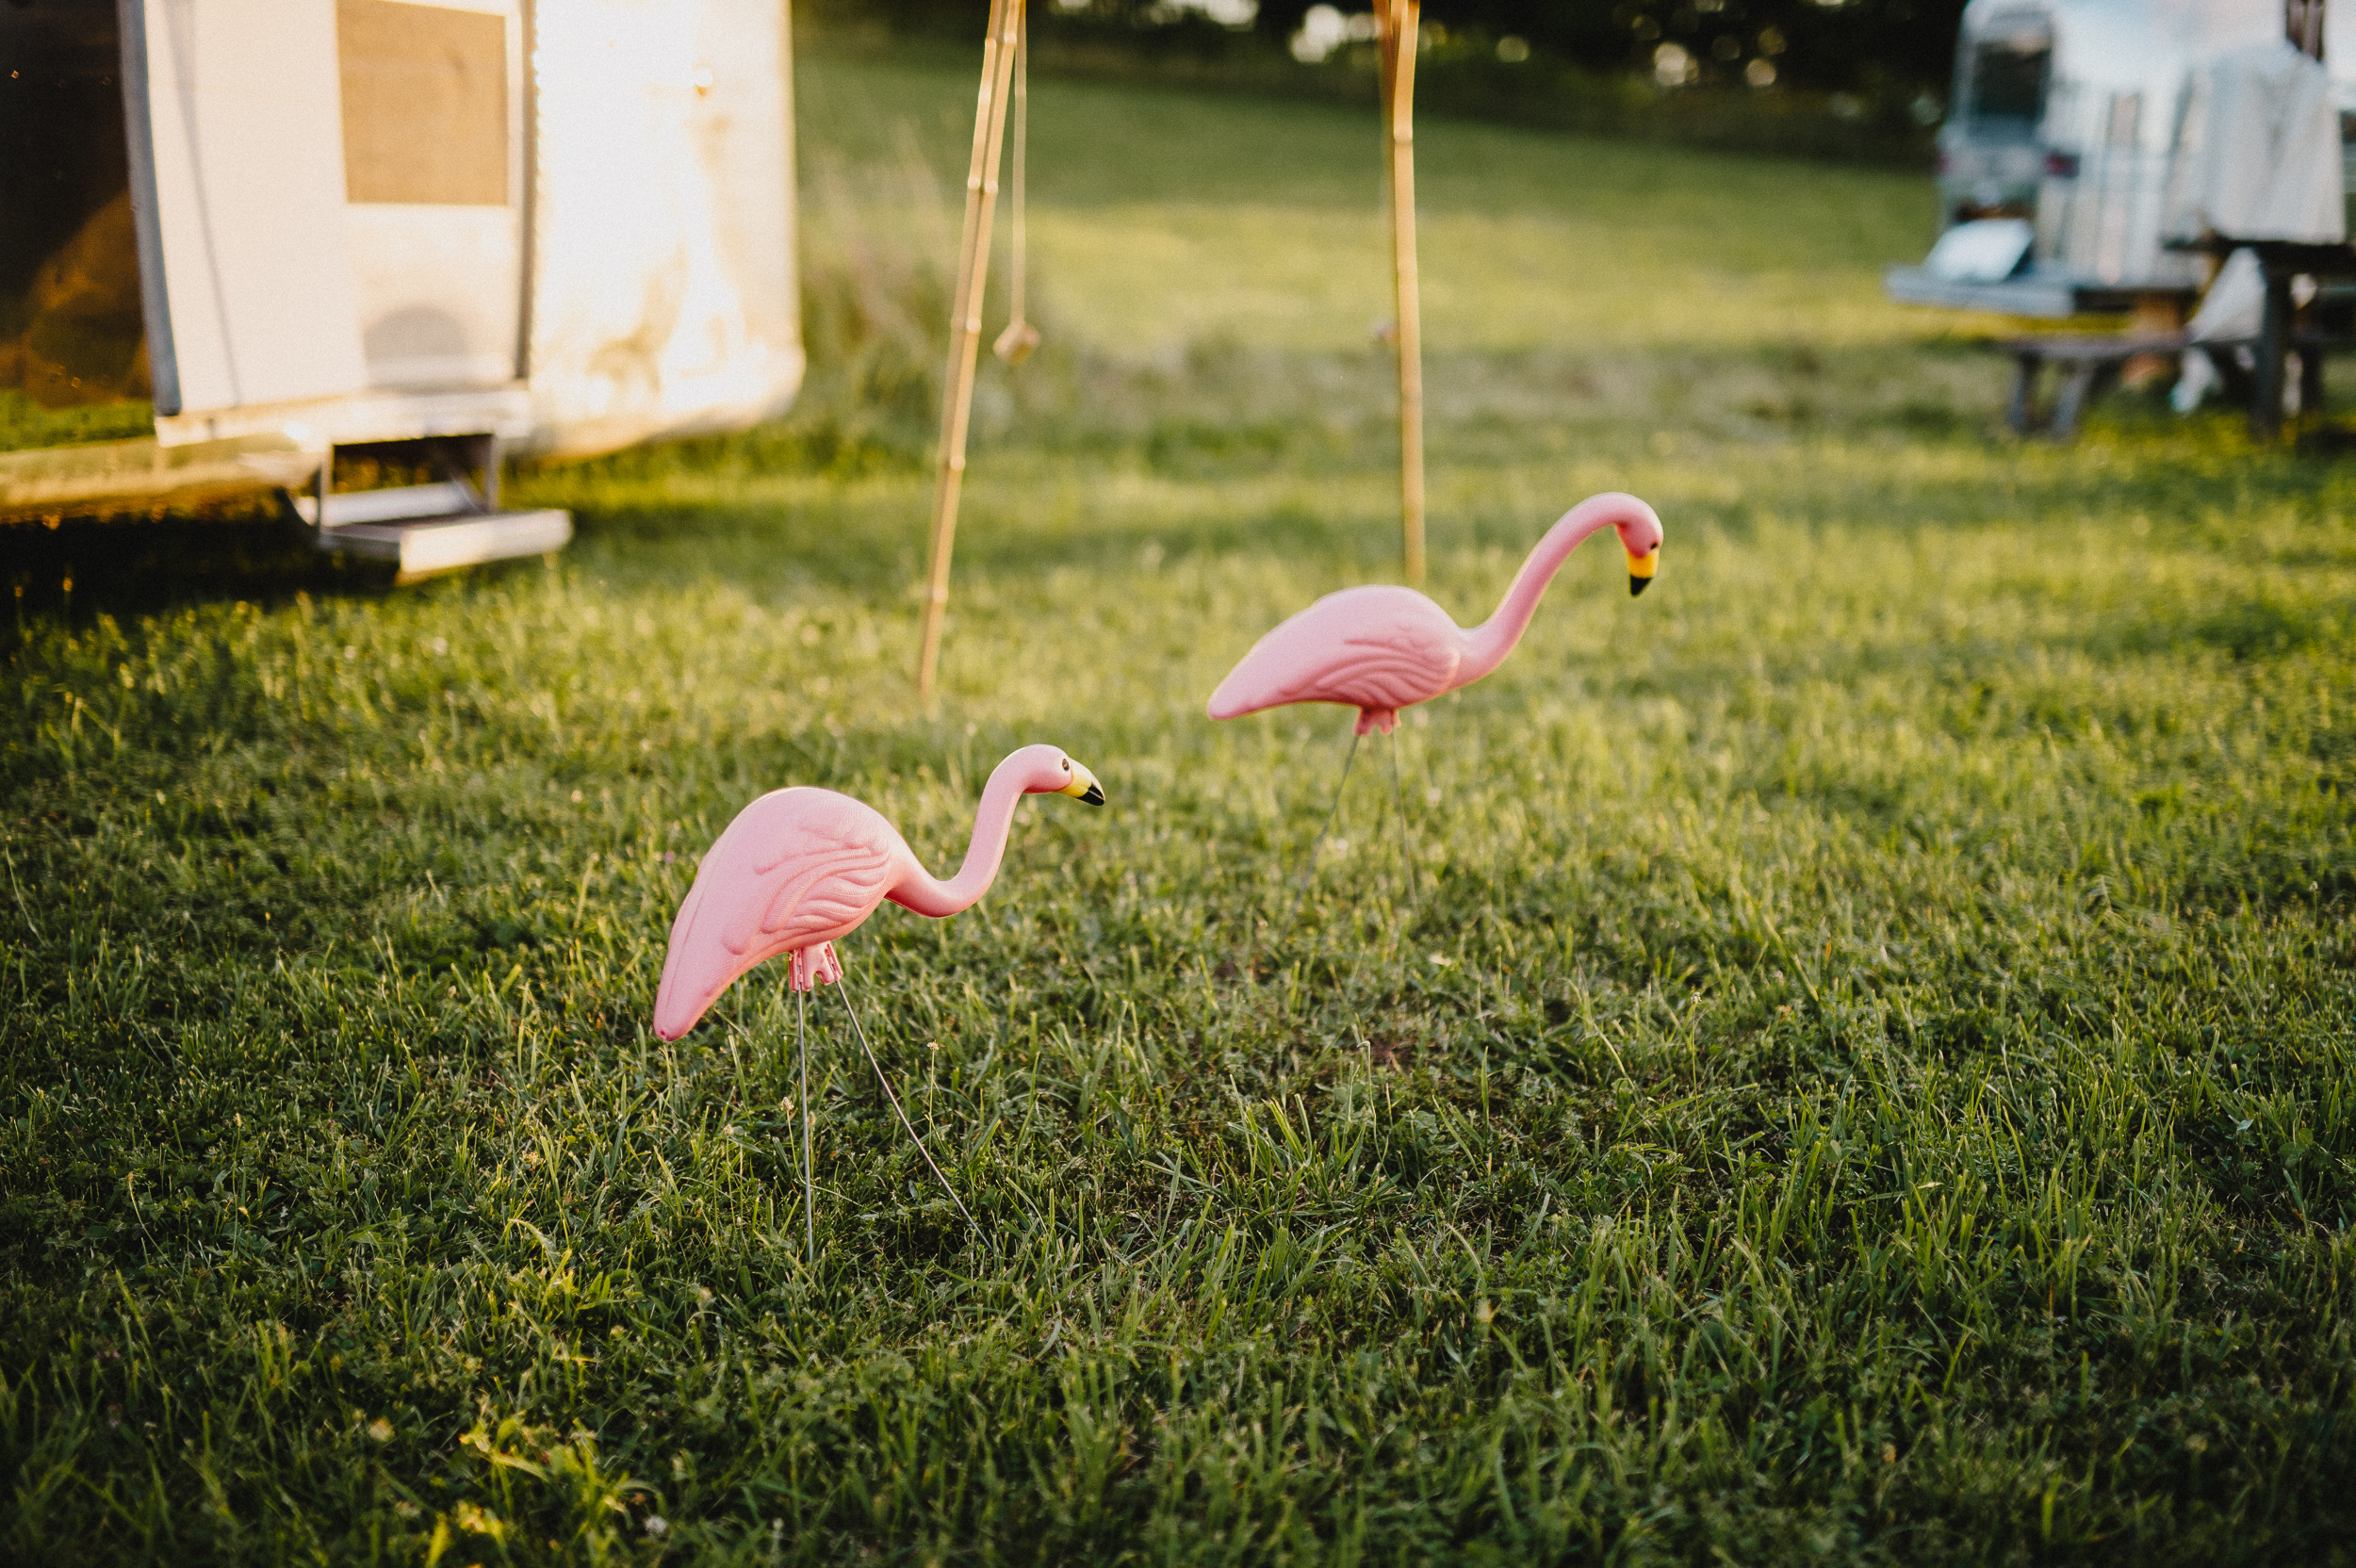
(1381, 648)
(801, 868)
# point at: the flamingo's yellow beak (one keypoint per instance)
(1640, 571)
(1084, 787)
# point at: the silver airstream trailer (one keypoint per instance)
(238, 236)
(2065, 117)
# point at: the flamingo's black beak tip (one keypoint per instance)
(1640, 570)
(1095, 796)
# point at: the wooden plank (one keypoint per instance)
(101, 476)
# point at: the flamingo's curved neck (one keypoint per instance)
(1486, 645)
(992, 820)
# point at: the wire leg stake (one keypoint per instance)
(851, 1008)
(965, 320)
(809, 1199)
(1406, 841)
(1318, 843)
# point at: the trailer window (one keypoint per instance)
(2008, 75)
(425, 104)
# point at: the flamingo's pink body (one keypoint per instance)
(1380, 650)
(801, 868)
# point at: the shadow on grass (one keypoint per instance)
(131, 566)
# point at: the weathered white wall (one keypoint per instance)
(663, 297)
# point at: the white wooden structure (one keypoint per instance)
(552, 227)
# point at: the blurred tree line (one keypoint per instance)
(1893, 53)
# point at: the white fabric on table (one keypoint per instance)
(2258, 154)
(1987, 250)
(2234, 306)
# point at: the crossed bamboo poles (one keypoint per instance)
(999, 47)
(1398, 24)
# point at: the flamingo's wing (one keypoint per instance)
(796, 867)
(1370, 647)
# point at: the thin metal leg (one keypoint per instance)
(1318, 843)
(490, 490)
(2021, 415)
(1406, 841)
(2274, 331)
(2077, 387)
(810, 1200)
(851, 1007)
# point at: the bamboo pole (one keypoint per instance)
(1401, 20)
(965, 322)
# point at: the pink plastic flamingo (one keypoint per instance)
(799, 869)
(1381, 648)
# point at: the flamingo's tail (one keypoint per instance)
(813, 967)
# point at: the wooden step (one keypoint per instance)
(420, 546)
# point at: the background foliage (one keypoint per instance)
(1889, 62)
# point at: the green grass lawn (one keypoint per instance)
(1867, 1075)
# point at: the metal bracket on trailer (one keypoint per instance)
(424, 528)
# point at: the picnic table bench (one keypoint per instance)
(2090, 359)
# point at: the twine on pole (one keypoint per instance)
(1015, 343)
(1398, 23)
(965, 320)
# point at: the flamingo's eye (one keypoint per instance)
(1067, 765)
